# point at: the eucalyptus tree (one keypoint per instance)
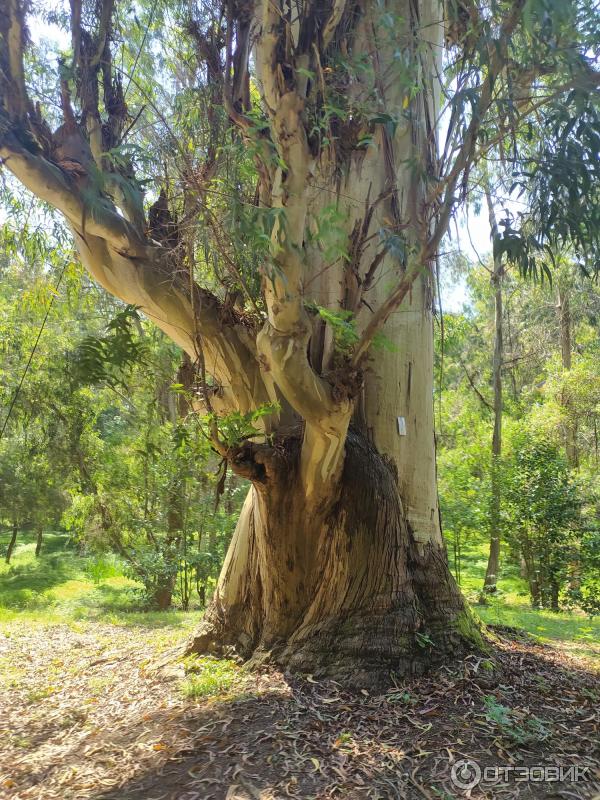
(301, 193)
(493, 565)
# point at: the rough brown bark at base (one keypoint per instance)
(374, 603)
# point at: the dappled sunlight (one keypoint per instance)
(58, 587)
(98, 714)
(572, 631)
(312, 739)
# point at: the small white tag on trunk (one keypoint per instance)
(401, 426)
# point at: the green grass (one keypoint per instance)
(210, 677)
(511, 606)
(63, 586)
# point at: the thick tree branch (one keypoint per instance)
(283, 342)
(117, 251)
(14, 35)
(48, 182)
(136, 271)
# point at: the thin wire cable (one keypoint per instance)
(31, 355)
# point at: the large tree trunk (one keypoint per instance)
(353, 595)
(338, 565)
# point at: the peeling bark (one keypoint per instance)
(352, 596)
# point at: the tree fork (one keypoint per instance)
(338, 563)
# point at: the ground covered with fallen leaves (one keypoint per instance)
(98, 711)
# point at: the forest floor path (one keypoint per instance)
(87, 711)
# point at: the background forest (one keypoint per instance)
(346, 351)
(545, 480)
(98, 445)
(103, 467)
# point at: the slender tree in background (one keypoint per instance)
(564, 322)
(493, 565)
(549, 512)
(322, 353)
(12, 543)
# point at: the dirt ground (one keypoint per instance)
(89, 714)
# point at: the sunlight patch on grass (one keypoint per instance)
(68, 591)
(12, 674)
(209, 677)
(99, 683)
(62, 586)
(511, 606)
(40, 693)
(546, 625)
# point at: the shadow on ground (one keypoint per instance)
(307, 740)
(23, 585)
(132, 735)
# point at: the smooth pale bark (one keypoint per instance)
(395, 408)
(399, 411)
(166, 301)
